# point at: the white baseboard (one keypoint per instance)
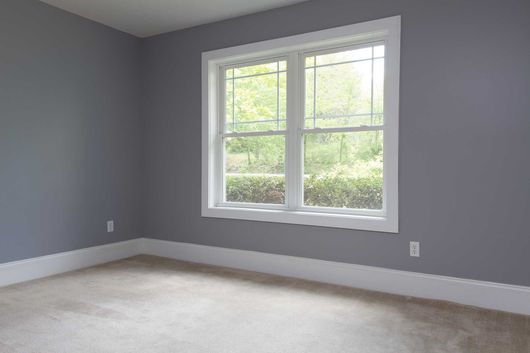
(38, 267)
(510, 298)
(488, 295)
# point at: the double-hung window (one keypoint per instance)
(304, 129)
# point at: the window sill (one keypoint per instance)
(333, 220)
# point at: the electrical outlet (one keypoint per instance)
(415, 248)
(110, 226)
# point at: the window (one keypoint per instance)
(304, 129)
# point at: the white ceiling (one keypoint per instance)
(144, 18)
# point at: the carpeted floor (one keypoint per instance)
(150, 305)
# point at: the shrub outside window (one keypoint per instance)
(304, 129)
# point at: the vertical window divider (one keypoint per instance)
(293, 145)
(233, 99)
(372, 90)
(278, 95)
(314, 91)
(219, 142)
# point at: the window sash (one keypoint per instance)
(338, 210)
(315, 66)
(294, 132)
(222, 69)
(222, 202)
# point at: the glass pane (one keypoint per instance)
(379, 51)
(256, 103)
(309, 98)
(346, 94)
(344, 56)
(282, 101)
(379, 90)
(255, 169)
(344, 170)
(229, 101)
(256, 69)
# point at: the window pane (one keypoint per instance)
(310, 99)
(256, 69)
(379, 51)
(282, 101)
(255, 169)
(379, 89)
(342, 93)
(344, 170)
(344, 56)
(256, 97)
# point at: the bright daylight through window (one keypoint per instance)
(304, 129)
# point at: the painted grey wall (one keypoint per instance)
(70, 132)
(464, 138)
(73, 124)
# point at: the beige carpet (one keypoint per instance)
(148, 304)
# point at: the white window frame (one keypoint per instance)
(385, 30)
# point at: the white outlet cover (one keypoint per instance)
(415, 248)
(110, 226)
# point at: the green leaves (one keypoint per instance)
(322, 191)
(344, 192)
(255, 189)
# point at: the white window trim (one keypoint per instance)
(387, 30)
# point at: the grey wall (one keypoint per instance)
(70, 132)
(96, 124)
(464, 138)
